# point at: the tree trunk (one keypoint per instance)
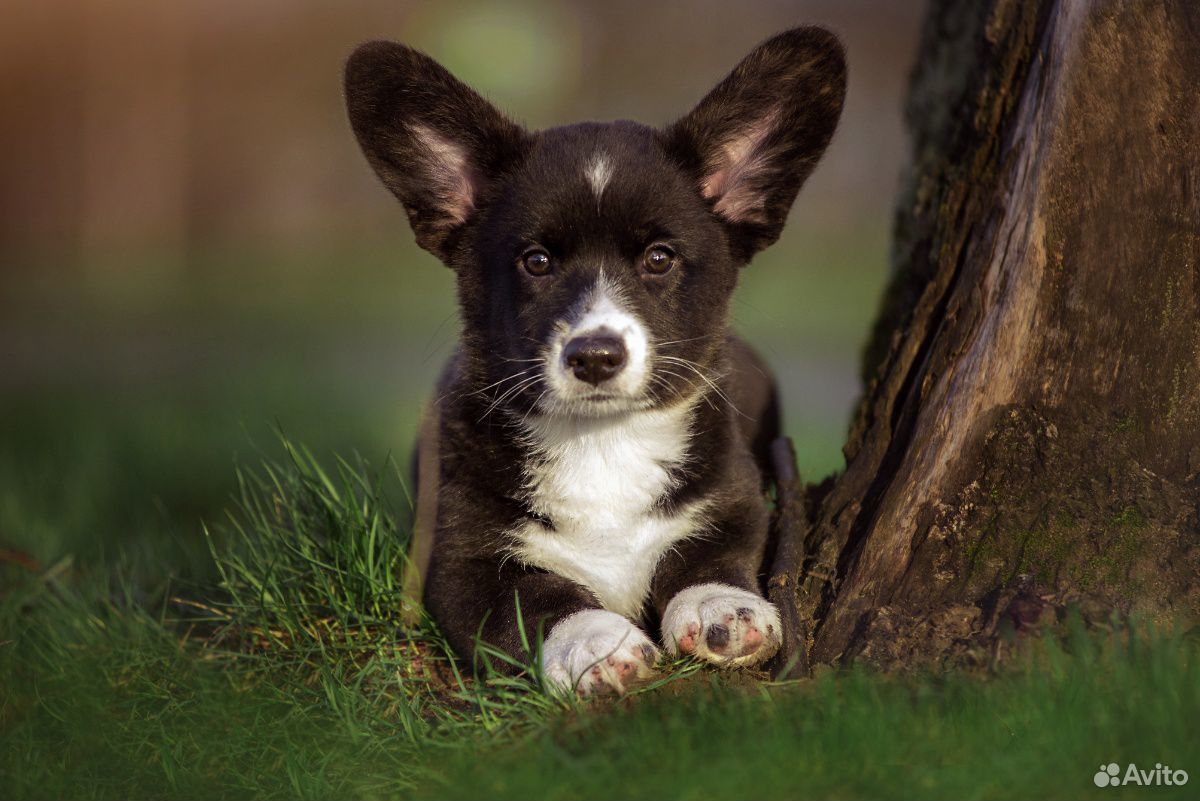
(1029, 440)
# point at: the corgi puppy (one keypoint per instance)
(593, 464)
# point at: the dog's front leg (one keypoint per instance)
(587, 649)
(706, 594)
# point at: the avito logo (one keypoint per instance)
(1160, 775)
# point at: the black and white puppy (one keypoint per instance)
(593, 461)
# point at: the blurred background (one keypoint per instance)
(193, 252)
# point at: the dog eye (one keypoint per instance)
(659, 260)
(536, 262)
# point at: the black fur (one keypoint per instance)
(486, 190)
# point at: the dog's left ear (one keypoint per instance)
(753, 141)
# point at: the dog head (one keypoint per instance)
(595, 262)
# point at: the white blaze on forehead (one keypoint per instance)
(599, 172)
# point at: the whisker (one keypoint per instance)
(659, 381)
(691, 383)
(681, 341)
(468, 393)
(504, 380)
(695, 368)
(534, 405)
(700, 373)
(511, 391)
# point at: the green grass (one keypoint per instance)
(1040, 731)
(290, 671)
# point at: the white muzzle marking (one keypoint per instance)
(601, 312)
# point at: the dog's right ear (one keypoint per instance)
(433, 141)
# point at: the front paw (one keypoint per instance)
(596, 652)
(722, 624)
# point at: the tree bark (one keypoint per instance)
(1029, 440)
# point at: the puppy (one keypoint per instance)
(592, 466)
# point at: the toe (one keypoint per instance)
(687, 643)
(623, 668)
(599, 681)
(752, 639)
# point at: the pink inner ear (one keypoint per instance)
(732, 175)
(448, 172)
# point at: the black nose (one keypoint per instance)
(595, 358)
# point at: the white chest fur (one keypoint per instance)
(600, 483)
